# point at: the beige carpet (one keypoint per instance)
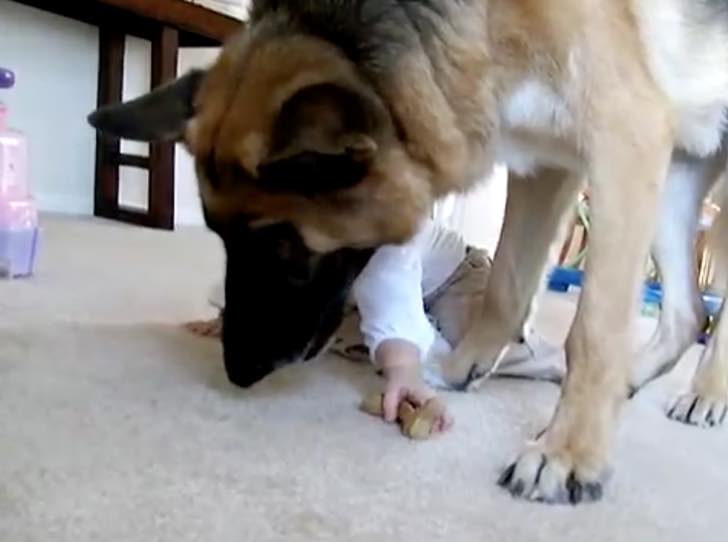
(117, 426)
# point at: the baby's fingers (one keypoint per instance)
(390, 403)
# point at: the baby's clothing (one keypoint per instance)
(435, 322)
(391, 291)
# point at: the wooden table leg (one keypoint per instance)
(165, 52)
(161, 163)
(110, 84)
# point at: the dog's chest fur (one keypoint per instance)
(685, 44)
(536, 128)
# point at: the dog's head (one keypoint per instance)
(283, 301)
(285, 129)
(301, 173)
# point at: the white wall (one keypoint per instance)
(478, 215)
(134, 182)
(55, 61)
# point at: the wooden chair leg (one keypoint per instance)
(161, 162)
(165, 52)
(110, 85)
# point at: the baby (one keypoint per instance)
(411, 304)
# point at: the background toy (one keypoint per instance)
(562, 279)
(19, 231)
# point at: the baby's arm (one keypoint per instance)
(388, 295)
(395, 327)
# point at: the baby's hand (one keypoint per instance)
(206, 328)
(404, 383)
(400, 362)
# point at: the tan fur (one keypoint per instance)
(238, 104)
(562, 89)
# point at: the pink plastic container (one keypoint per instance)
(19, 232)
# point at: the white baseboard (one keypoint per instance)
(81, 206)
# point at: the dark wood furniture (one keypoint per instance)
(169, 25)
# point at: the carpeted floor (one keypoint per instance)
(117, 426)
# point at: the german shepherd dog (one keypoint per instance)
(331, 126)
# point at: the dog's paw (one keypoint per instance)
(553, 477)
(471, 364)
(694, 409)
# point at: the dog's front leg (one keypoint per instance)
(534, 207)
(570, 460)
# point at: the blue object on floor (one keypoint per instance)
(563, 278)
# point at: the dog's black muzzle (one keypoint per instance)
(283, 302)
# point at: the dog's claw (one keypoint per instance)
(594, 491)
(693, 409)
(507, 476)
(475, 374)
(538, 477)
(518, 488)
(689, 415)
(632, 391)
(574, 487)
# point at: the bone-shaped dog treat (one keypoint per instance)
(416, 423)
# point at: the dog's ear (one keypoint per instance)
(161, 115)
(323, 140)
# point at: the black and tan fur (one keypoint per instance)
(347, 119)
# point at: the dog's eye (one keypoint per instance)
(311, 173)
(218, 173)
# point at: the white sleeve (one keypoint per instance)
(388, 294)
